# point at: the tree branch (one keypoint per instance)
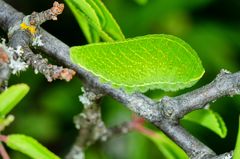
(24, 35)
(225, 84)
(164, 114)
(89, 124)
(227, 155)
(4, 68)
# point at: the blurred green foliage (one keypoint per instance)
(236, 153)
(211, 27)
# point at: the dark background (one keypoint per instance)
(211, 27)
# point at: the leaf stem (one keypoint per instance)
(3, 152)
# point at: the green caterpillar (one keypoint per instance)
(142, 63)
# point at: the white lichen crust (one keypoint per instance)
(14, 56)
(37, 41)
(16, 63)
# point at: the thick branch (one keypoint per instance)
(185, 140)
(227, 155)
(225, 84)
(8, 16)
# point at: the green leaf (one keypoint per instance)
(139, 64)
(29, 146)
(209, 119)
(169, 149)
(91, 34)
(11, 97)
(95, 20)
(108, 23)
(236, 152)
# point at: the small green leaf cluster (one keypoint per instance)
(236, 153)
(18, 142)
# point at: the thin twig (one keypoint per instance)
(3, 152)
(120, 129)
(89, 123)
(19, 37)
(50, 14)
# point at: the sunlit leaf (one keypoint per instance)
(10, 97)
(236, 152)
(91, 34)
(95, 20)
(139, 64)
(29, 146)
(209, 119)
(108, 23)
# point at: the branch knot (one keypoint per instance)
(167, 107)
